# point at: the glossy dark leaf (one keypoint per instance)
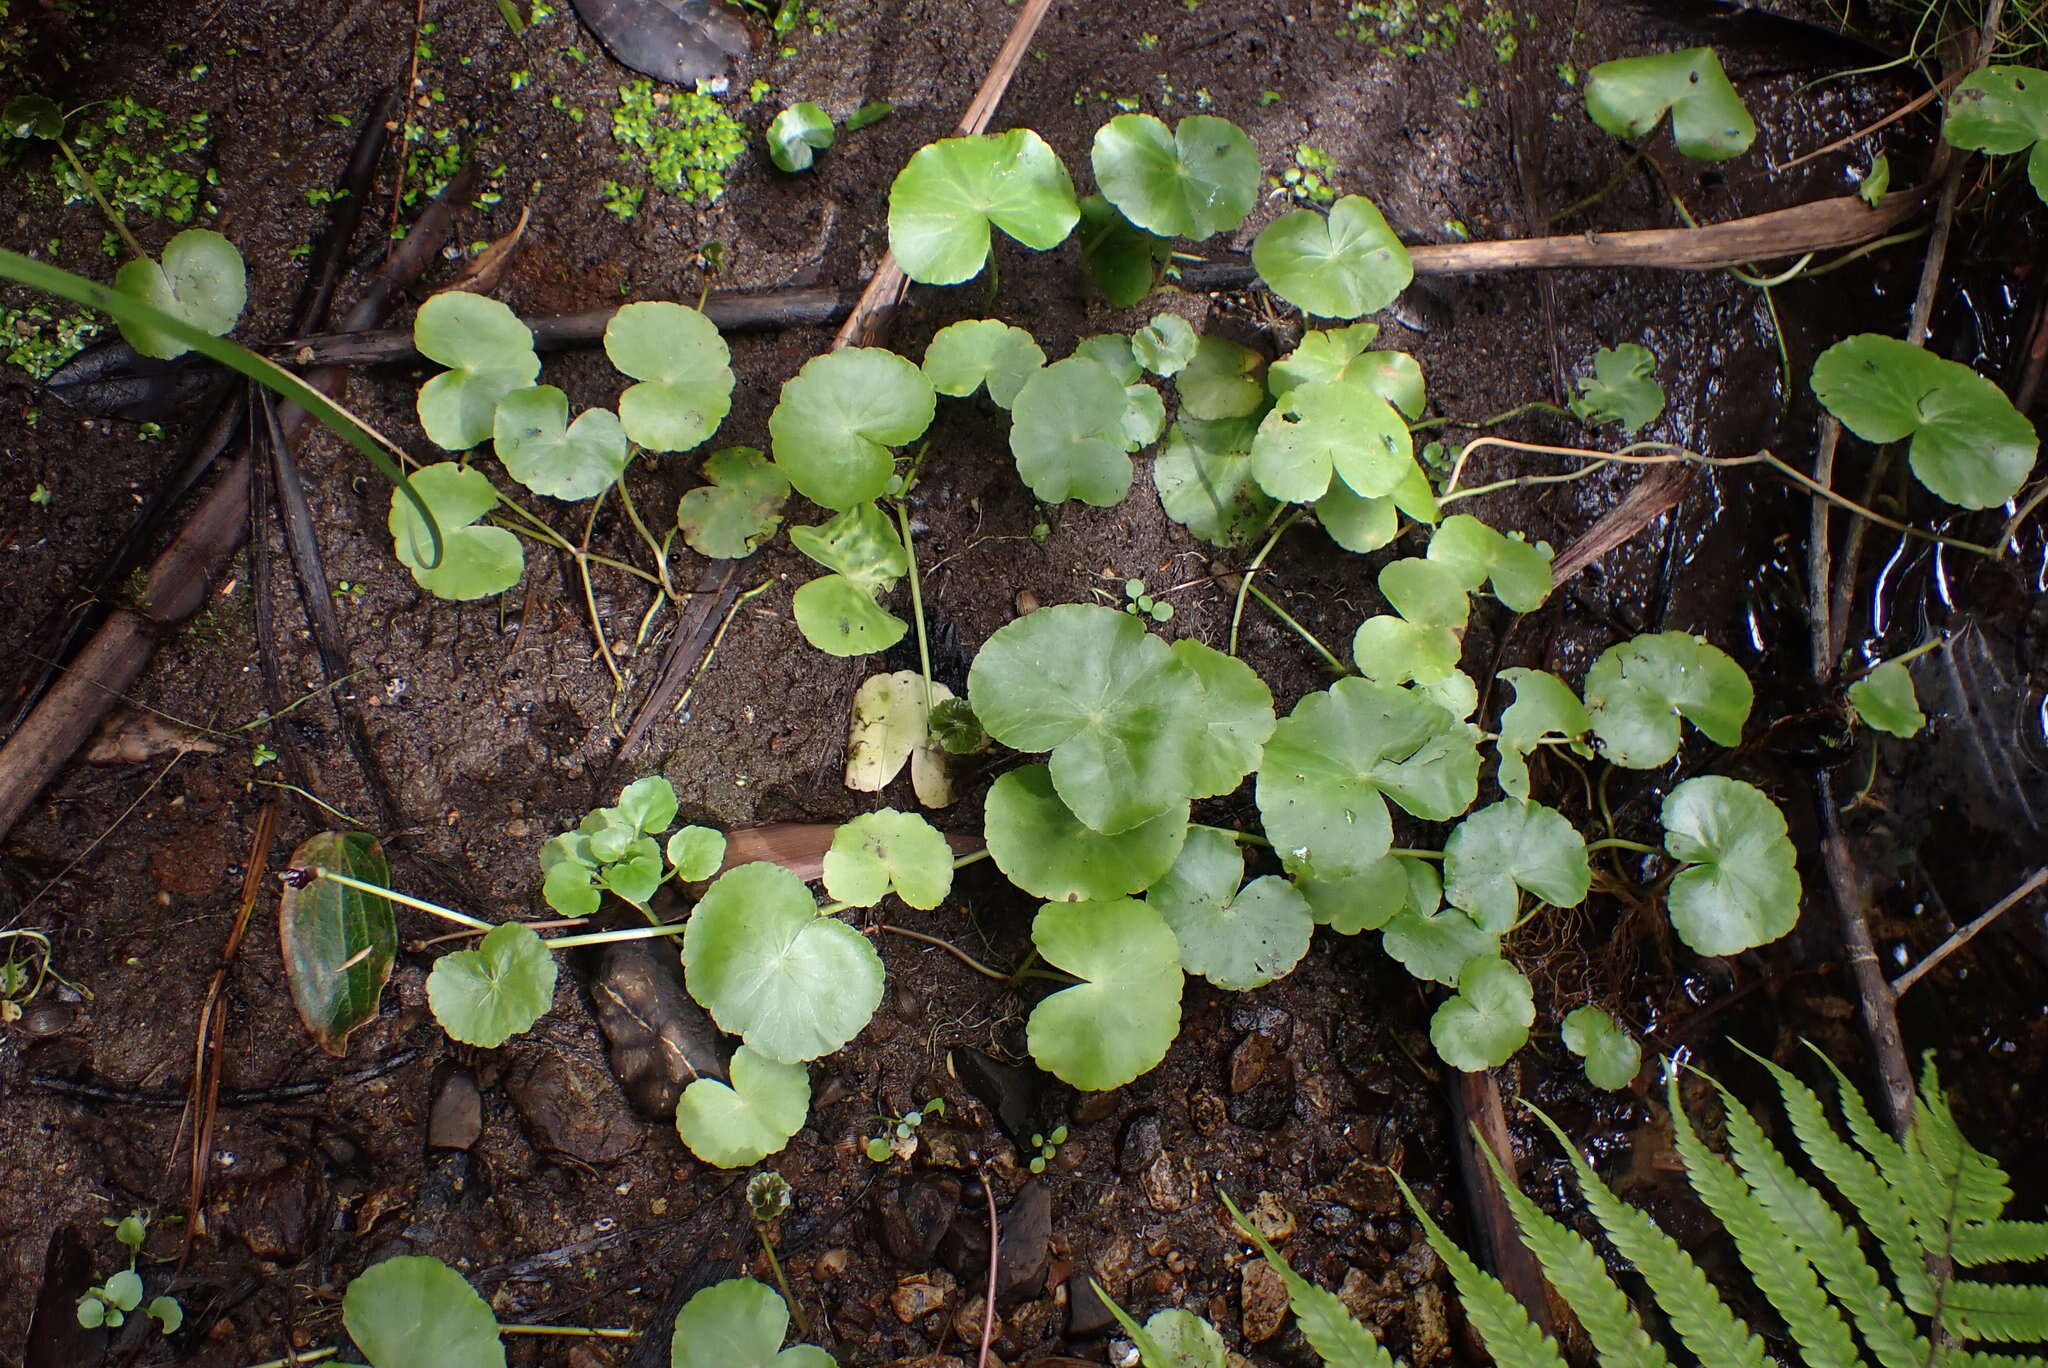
(322, 927)
(678, 41)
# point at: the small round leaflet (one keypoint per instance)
(743, 1123)
(417, 1312)
(1115, 1025)
(1345, 266)
(1194, 181)
(1612, 1056)
(944, 201)
(974, 352)
(684, 369)
(1488, 1019)
(1048, 852)
(201, 281)
(550, 455)
(838, 418)
(798, 134)
(488, 995)
(476, 562)
(889, 851)
(1740, 885)
(488, 352)
(738, 1323)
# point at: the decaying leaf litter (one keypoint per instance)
(1315, 1078)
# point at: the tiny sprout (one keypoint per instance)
(768, 1195)
(1047, 1146)
(131, 1230)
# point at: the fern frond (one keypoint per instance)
(1326, 1324)
(1576, 1270)
(1952, 1357)
(1976, 1187)
(1709, 1329)
(2006, 1313)
(1799, 1210)
(2001, 1242)
(1512, 1340)
(1872, 1190)
(1780, 1271)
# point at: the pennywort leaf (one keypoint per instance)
(1488, 1019)
(1344, 266)
(1638, 689)
(741, 1123)
(1194, 181)
(684, 369)
(1544, 708)
(1327, 427)
(1519, 572)
(1512, 847)
(1118, 256)
(738, 1323)
(838, 418)
(550, 455)
(1117, 1023)
(1068, 435)
(1204, 477)
(200, 281)
(1237, 938)
(488, 995)
(797, 135)
(1044, 849)
(878, 853)
(1622, 389)
(488, 352)
(974, 352)
(2003, 109)
(738, 510)
(1613, 1057)
(417, 1312)
(476, 562)
(943, 204)
(1740, 884)
(1709, 122)
(1885, 699)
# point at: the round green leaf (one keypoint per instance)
(943, 202)
(1638, 689)
(1165, 345)
(166, 1312)
(1520, 572)
(1111, 351)
(1253, 937)
(1175, 1339)
(741, 1124)
(1740, 887)
(696, 852)
(861, 544)
(1334, 760)
(2003, 109)
(1067, 434)
(1623, 388)
(1344, 266)
(797, 134)
(1120, 257)
(488, 352)
(1367, 902)
(32, 116)
(738, 1323)
(1333, 354)
(124, 1289)
(648, 804)
(974, 352)
(92, 1312)
(1355, 522)
(1144, 416)
(1204, 479)
(548, 454)
(1049, 853)
(685, 370)
(1970, 445)
(1195, 181)
(1436, 946)
(1223, 380)
(1508, 847)
(1544, 706)
(1206, 873)
(476, 562)
(416, 1312)
(741, 507)
(839, 416)
(1237, 718)
(1884, 699)
(1426, 640)
(488, 995)
(1116, 1024)
(793, 984)
(201, 281)
(1709, 122)
(1121, 714)
(840, 618)
(1489, 1018)
(1331, 425)
(1613, 1057)
(338, 943)
(880, 852)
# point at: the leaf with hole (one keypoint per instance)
(1389, 886)
(1118, 256)
(838, 418)
(1544, 707)
(798, 134)
(488, 352)
(417, 1312)
(1120, 712)
(684, 369)
(200, 281)
(1629, 98)
(1222, 380)
(1204, 478)
(878, 853)
(1969, 445)
(791, 983)
(488, 995)
(476, 562)
(695, 852)
(741, 1123)
(1612, 1056)
(338, 943)
(1622, 389)
(1165, 345)
(1068, 435)
(1739, 885)
(1638, 689)
(1193, 181)
(738, 1323)
(1044, 849)
(1237, 938)
(1346, 265)
(2003, 109)
(1477, 553)
(1436, 945)
(1334, 761)
(1885, 699)
(548, 454)
(1512, 847)
(944, 202)
(974, 352)
(1117, 1023)
(1328, 427)
(738, 510)
(1489, 1018)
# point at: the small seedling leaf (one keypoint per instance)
(1512, 846)
(696, 852)
(741, 507)
(1067, 434)
(840, 617)
(1876, 181)
(1367, 902)
(1622, 389)
(945, 200)
(732, 1126)
(417, 1312)
(868, 115)
(1117, 1024)
(838, 418)
(1044, 849)
(793, 984)
(648, 805)
(322, 926)
(1477, 553)
(738, 1323)
(488, 995)
(1165, 345)
(1425, 641)
(1613, 1057)
(1969, 444)
(1204, 478)
(878, 853)
(166, 1312)
(1544, 706)
(476, 562)
(1885, 699)
(123, 1290)
(548, 454)
(684, 369)
(1223, 380)
(798, 134)
(1347, 265)
(1120, 257)
(974, 352)
(1740, 885)
(1437, 945)
(1197, 180)
(2003, 109)
(488, 352)
(1489, 1018)
(1638, 689)
(1332, 426)
(1709, 122)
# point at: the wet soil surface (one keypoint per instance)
(494, 723)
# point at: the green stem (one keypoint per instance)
(1617, 843)
(955, 951)
(301, 1359)
(405, 900)
(1243, 837)
(924, 650)
(660, 555)
(1304, 633)
(1415, 854)
(92, 188)
(803, 1322)
(1533, 406)
(1244, 582)
(1934, 643)
(581, 1331)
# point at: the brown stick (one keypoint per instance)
(1476, 1099)
(1880, 1004)
(1964, 935)
(1656, 494)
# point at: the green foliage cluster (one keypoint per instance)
(141, 160)
(684, 139)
